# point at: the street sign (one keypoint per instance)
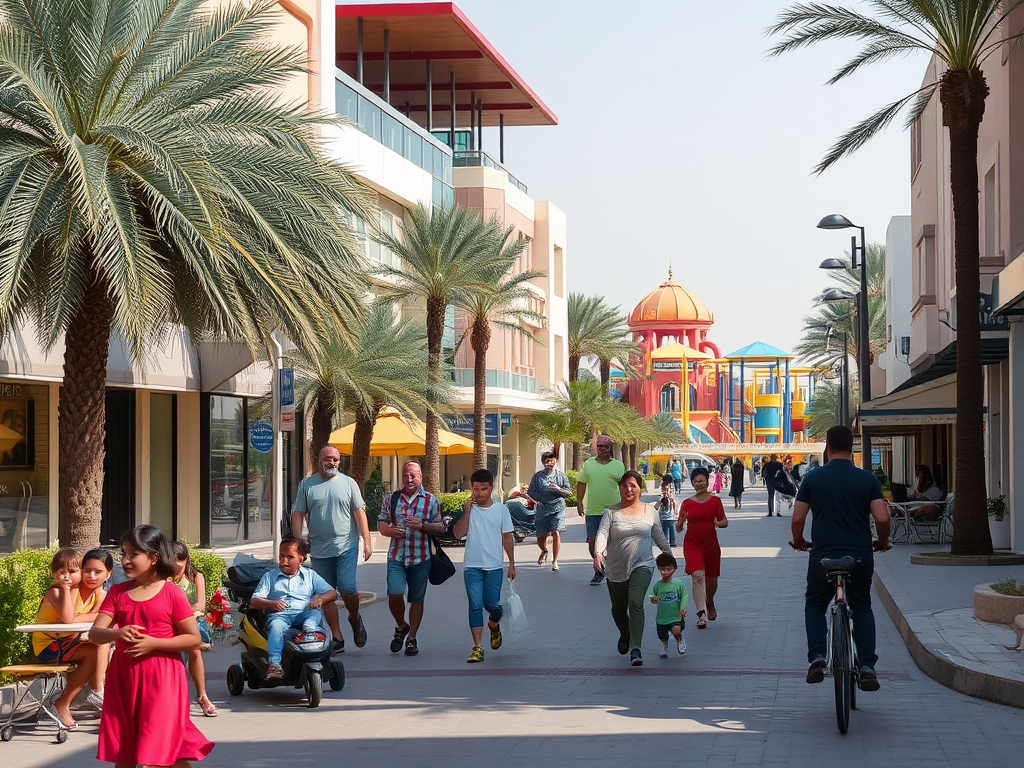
(287, 404)
(261, 436)
(463, 425)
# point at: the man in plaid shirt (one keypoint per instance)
(408, 517)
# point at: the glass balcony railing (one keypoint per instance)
(475, 158)
(386, 125)
(463, 377)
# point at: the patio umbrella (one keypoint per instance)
(394, 435)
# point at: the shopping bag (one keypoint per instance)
(516, 621)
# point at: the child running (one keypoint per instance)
(62, 604)
(193, 583)
(670, 596)
(487, 526)
(292, 595)
(97, 565)
(667, 510)
(146, 707)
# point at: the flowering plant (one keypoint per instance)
(218, 611)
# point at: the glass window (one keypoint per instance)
(24, 466)
(369, 118)
(227, 464)
(437, 196)
(413, 147)
(438, 162)
(260, 526)
(392, 131)
(428, 157)
(346, 102)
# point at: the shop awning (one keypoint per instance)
(931, 402)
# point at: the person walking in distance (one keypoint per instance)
(334, 511)
(408, 517)
(736, 486)
(768, 472)
(548, 490)
(845, 500)
(597, 488)
(676, 470)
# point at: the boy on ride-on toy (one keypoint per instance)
(292, 596)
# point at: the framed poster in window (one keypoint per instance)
(16, 432)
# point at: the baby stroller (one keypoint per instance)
(306, 659)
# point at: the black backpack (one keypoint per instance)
(784, 484)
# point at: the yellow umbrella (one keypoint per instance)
(394, 435)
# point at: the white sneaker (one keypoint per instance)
(94, 700)
(681, 646)
(663, 653)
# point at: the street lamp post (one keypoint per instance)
(838, 221)
(843, 409)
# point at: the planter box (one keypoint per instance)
(1000, 532)
(993, 607)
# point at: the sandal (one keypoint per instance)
(208, 711)
(712, 613)
(554, 565)
(702, 622)
(543, 557)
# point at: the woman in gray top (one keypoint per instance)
(628, 534)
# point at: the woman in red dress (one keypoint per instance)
(701, 515)
(145, 718)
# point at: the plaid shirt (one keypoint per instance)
(414, 547)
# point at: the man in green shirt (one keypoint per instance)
(596, 490)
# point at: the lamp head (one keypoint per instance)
(833, 263)
(835, 221)
(834, 294)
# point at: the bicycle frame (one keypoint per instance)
(844, 671)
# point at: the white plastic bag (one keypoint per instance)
(516, 622)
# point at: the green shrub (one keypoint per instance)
(24, 579)
(574, 476)
(452, 503)
(373, 495)
(996, 507)
(211, 565)
(1010, 586)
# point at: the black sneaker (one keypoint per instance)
(598, 578)
(816, 672)
(634, 658)
(623, 646)
(399, 638)
(358, 631)
(868, 679)
(337, 646)
(411, 649)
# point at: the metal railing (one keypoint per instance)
(476, 158)
(463, 377)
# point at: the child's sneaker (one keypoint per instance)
(274, 671)
(681, 646)
(476, 655)
(663, 653)
(496, 638)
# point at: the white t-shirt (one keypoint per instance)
(483, 541)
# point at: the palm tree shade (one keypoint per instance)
(960, 36)
(150, 177)
(597, 330)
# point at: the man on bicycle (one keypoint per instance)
(844, 499)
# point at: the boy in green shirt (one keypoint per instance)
(670, 596)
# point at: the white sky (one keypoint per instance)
(678, 140)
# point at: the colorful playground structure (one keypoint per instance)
(755, 395)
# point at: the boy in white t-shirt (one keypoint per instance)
(487, 526)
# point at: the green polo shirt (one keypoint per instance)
(602, 482)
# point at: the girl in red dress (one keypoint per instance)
(704, 514)
(145, 718)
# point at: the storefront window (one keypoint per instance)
(227, 460)
(259, 486)
(24, 465)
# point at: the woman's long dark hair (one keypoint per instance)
(151, 540)
(182, 555)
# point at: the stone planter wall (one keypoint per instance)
(993, 607)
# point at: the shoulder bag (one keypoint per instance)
(441, 566)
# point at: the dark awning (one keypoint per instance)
(992, 351)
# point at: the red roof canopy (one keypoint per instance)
(442, 33)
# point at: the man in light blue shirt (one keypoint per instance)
(293, 596)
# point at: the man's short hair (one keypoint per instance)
(412, 461)
(301, 545)
(548, 455)
(482, 476)
(839, 439)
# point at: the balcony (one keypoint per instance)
(463, 377)
(386, 125)
(475, 158)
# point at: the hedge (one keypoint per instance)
(24, 579)
(211, 565)
(452, 503)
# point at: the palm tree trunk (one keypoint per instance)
(480, 339)
(322, 420)
(574, 368)
(435, 332)
(577, 456)
(83, 415)
(606, 371)
(361, 439)
(962, 94)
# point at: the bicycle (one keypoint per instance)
(842, 650)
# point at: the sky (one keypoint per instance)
(680, 141)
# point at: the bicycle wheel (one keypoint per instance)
(842, 665)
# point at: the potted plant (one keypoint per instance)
(998, 524)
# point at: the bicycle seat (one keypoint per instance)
(838, 564)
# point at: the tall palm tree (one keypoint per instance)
(832, 319)
(960, 35)
(150, 176)
(597, 330)
(586, 406)
(823, 410)
(382, 367)
(447, 258)
(503, 303)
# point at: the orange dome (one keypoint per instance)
(670, 302)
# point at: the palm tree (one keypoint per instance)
(823, 410)
(597, 330)
(150, 177)
(447, 257)
(817, 345)
(585, 406)
(503, 303)
(383, 367)
(554, 428)
(960, 36)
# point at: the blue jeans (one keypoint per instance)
(278, 623)
(483, 588)
(339, 571)
(668, 527)
(858, 594)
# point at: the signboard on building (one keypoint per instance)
(287, 404)
(463, 425)
(261, 436)
(988, 320)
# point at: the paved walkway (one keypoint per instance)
(563, 696)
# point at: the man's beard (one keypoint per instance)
(328, 471)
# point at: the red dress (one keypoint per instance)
(145, 717)
(700, 545)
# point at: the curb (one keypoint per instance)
(940, 664)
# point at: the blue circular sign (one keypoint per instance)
(261, 436)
